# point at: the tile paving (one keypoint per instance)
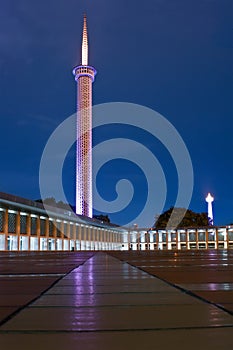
(116, 300)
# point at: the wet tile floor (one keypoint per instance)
(116, 300)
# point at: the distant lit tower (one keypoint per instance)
(84, 76)
(209, 199)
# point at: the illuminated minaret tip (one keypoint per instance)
(209, 199)
(84, 76)
(85, 43)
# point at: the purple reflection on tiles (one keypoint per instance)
(84, 285)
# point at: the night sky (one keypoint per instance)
(173, 56)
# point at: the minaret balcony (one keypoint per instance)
(88, 71)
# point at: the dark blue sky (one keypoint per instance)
(174, 56)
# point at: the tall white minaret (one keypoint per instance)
(209, 199)
(84, 76)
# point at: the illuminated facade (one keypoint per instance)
(188, 238)
(25, 225)
(84, 76)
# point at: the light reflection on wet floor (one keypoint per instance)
(105, 303)
(209, 286)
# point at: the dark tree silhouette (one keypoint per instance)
(190, 219)
(103, 218)
(51, 201)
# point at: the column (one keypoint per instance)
(5, 228)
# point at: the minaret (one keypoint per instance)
(209, 199)
(84, 76)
